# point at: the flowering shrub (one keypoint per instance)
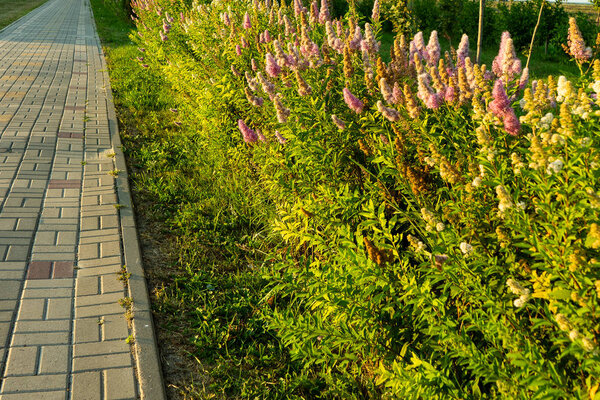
(438, 218)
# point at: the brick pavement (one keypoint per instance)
(63, 333)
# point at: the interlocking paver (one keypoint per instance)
(62, 330)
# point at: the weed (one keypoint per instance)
(127, 304)
(123, 275)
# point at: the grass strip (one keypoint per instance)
(12, 10)
(201, 252)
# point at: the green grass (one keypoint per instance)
(11, 10)
(201, 245)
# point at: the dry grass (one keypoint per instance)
(11, 10)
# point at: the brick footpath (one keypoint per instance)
(63, 235)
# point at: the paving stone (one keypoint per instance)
(62, 269)
(37, 395)
(98, 299)
(54, 325)
(9, 289)
(54, 359)
(32, 309)
(98, 310)
(39, 270)
(87, 385)
(88, 329)
(41, 338)
(22, 361)
(90, 363)
(59, 308)
(8, 305)
(87, 285)
(17, 253)
(114, 327)
(111, 284)
(34, 383)
(119, 384)
(110, 248)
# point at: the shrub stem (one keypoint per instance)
(533, 36)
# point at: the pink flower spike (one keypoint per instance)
(499, 60)
(397, 94)
(511, 122)
(524, 78)
(226, 19)
(426, 93)
(298, 8)
(375, 11)
(577, 47)
(260, 135)
(355, 104)
(389, 113)
(338, 122)
(450, 94)
(314, 9)
(419, 45)
(499, 105)
(271, 66)
(357, 39)
(433, 49)
(369, 43)
(247, 24)
(463, 51)
(280, 138)
(249, 135)
(324, 15)
(238, 50)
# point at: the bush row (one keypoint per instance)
(436, 219)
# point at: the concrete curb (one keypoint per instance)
(147, 359)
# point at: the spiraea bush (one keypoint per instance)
(437, 219)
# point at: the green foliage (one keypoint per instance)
(452, 18)
(211, 238)
(417, 241)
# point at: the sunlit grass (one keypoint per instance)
(202, 243)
